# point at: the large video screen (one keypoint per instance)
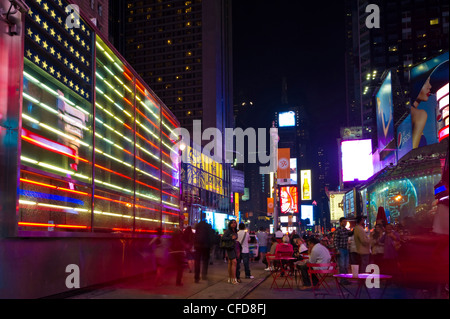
(286, 119)
(307, 213)
(356, 160)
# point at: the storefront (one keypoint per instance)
(406, 191)
(205, 188)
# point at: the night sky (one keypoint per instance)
(302, 41)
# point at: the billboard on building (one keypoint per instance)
(336, 206)
(293, 171)
(356, 160)
(425, 80)
(305, 184)
(289, 199)
(284, 156)
(404, 137)
(351, 133)
(307, 212)
(385, 115)
(286, 119)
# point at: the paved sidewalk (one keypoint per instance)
(215, 287)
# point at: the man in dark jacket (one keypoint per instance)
(203, 240)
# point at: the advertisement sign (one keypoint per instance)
(293, 170)
(336, 206)
(305, 184)
(351, 133)
(442, 96)
(385, 117)
(307, 213)
(284, 156)
(236, 206)
(286, 119)
(237, 181)
(404, 137)
(269, 206)
(425, 80)
(289, 199)
(356, 160)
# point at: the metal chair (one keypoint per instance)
(322, 275)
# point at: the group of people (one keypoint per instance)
(355, 246)
(236, 245)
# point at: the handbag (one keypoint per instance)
(226, 244)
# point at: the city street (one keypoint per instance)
(216, 287)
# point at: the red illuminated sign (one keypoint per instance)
(289, 199)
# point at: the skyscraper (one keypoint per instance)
(410, 32)
(182, 48)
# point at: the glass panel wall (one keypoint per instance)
(95, 152)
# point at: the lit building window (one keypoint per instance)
(434, 21)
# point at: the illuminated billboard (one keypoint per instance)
(336, 206)
(286, 119)
(356, 160)
(307, 213)
(289, 199)
(425, 80)
(305, 184)
(385, 117)
(293, 169)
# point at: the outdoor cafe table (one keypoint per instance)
(281, 270)
(361, 282)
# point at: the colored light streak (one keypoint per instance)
(128, 204)
(26, 224)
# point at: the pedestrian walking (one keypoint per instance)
(377, 247)
(229, 239)
(362, 242)
(392, 244)
(177, 255)
(340, 242)
(244, 256)
(202, 246)
(263, 240)
(188, 240)
(160, 251)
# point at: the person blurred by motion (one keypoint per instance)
(188, 240)
(263, 240)
(202, 245)
(177, 255)
(377, 247)
(161, 255)
(392, 244)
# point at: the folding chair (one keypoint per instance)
(282, 268)
(322, 275)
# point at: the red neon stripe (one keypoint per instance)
(52, 149)
(169, 194)
(37, 183)
(83, 193)
(51, 225)
(126, 100)
(169, 119)
(127, 76)
(165, 212)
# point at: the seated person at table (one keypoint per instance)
(271, 253)
(299, 248)
(319, 254)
